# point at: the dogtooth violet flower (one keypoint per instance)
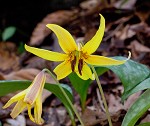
(75, 57)
(30, 97)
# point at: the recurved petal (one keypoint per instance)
(65, 39)
(104, 61)
(15, 98)
(63, 70)
(29, 113)
(92, 45)
(86, 73)
(38, 111)
(19, 107)
(46, 54)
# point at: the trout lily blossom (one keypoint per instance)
(76, 58)
(30, 97)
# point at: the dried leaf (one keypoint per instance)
(19, 121)
(114, 103)
(131, 99)
(125, 33)
(8, 59)
(138, 47)
(125, 4)
(23, 74)
(61, 17)
(91, 117)
(146, 119)
(90, 7)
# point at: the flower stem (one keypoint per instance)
(70, 103)
(51, 74)
(103, 97)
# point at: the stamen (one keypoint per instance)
(73, 63)
(80, 66)
(79, 46)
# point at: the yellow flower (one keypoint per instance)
(75, 57)
(30, 97)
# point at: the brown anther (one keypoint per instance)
(73, 63)
(80, 66)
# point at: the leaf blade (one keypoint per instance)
(139, 107)
(8, 33)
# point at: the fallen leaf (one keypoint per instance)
(138, 47)
(91, 117)
(114, 103)
(125, 33)
(61, 17)
(23, 74)
(9, 61)
(19, 121)
(125, 4)
(131, 99)
(146, 119)
(90, 7)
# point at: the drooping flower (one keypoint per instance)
(76, 58)
(30, 97)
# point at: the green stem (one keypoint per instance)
(73, 122)
(70, 103)
(103, 97)
(51, 74)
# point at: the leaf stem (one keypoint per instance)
(69, 101)
(103, 97)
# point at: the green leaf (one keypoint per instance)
(141, 86)
(134, 76)
(15, 85)
(0, 123)
(21, 48)
(12, 86)
(131, 74)
(144, 124)
(139, 107)
(81, 86)
(8, 33)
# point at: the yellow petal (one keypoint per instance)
(15, 98)
(104, 61)
(92, 45)
(38, 111)
(46, 54)
(29, 113)
(36, 88)
(86, 73)
(19, 107)
(63, 70)
(65, 39)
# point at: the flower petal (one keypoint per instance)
(38, 110)
(19, 107)
(15, 98)
(86, 73)
(92, 45)
(35, 88)
(29, 113)
(65, 39)
(104, 61)
(63, 70)
(46, 54)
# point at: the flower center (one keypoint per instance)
(76, 59)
